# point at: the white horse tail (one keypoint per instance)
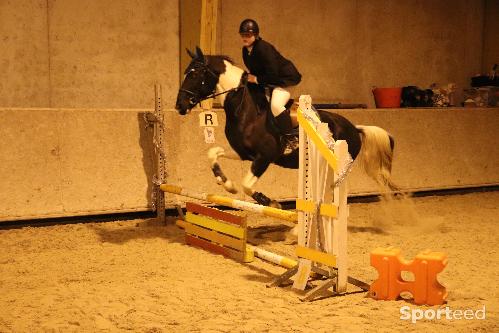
(376, 155)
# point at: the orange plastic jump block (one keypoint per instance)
(425, 288)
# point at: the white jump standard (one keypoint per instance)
(322, 206)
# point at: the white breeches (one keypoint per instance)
(280, 96)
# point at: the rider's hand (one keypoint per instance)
(252, 78)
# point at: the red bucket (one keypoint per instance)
(387, 97)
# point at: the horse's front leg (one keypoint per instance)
(213, 154)
(258, 167)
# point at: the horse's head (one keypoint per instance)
(199, 82)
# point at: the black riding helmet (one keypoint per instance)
(249, 26)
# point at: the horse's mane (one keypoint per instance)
(224, 57)
(217, 62)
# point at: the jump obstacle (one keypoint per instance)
(214, 222)
(322, 213)
(224, 233)
(322, 220)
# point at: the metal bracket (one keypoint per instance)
(150, 118)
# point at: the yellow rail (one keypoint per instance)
(233, 203)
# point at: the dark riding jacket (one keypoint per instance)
(269, 66)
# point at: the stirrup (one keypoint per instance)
(290, 143)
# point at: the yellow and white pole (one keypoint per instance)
(273, 257)
(234, 203)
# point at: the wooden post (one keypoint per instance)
(190, 13)
(198, 27)
(208, 35)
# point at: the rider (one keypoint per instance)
(269, 68)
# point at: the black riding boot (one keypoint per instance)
(283, 121)
(289, 138)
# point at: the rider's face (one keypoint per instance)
(247, 38)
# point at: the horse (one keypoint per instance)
(250, 131)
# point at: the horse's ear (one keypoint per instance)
(189, 52)
(199, 53)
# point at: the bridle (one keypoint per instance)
(196, 98)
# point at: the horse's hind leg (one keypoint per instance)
(258, 167)
(213, 154)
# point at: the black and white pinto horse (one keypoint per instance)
(250, 131)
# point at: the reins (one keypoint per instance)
(209, 96)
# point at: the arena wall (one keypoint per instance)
(98, 54)
(60, 162)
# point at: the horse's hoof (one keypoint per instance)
(275, 204)
(229, 187)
